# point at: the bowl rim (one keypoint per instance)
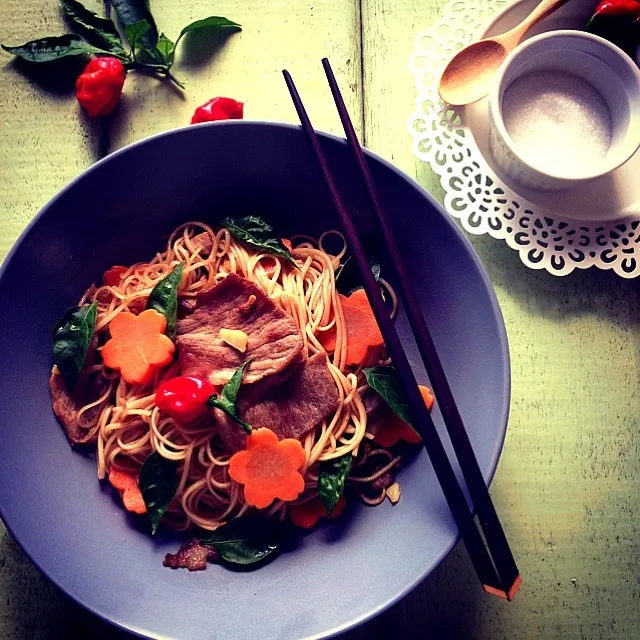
(475, 259)
(497, 120)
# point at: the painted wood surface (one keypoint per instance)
(567, 484)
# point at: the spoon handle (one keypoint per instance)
(544, 9)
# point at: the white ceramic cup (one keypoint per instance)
(605, 67)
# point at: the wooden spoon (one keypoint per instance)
(468, 75)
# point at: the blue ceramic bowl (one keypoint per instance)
(116, 213)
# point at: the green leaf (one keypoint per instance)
(348, 275)
(384, 380)
(99, 31)
(212, 22)
(71, 339)
(53, 48)
(166, 49)
(332, 475)
(245, 540)
(164, 299)
(131, 12)
(226, 401)
(258, 233)
(158, 483)
(135, 32)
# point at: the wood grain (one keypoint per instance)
(566, 486)
(247, 65)
(45, 141)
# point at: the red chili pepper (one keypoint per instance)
(184, 398)
(617, 21)
(618, 8)
(218, 109)
(99, 86)
(112, 276)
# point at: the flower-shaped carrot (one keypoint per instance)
(362, 329)
(307, 514)
(395, 428)
(268, 468)
(138, 345)
(127, 485)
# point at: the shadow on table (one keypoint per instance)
(448, 604)
(36, 609)
(583, 292)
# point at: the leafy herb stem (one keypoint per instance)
(160, 69)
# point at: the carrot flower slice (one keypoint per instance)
(308, 514)
(361, 326)
(138, 345)
(127, 485)
(268, 468)
(395, 429)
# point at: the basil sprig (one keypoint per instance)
(53, 48)
(384, 381)
(255, 231)
(245, 540)
(101, 32)
(164, 299)
(226, 401)
(137, 12)
(99, 36)
(332, 474)
(348, 277)
(158, 484)
(71, 339)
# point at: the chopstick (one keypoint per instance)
(494, 563)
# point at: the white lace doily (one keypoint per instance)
(473, 192)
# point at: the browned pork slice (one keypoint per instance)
(377, 411)
(290, 409)
(274, 340)
(192, 555)
(66, 405)
(203, 242)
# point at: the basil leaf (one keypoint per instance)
(256, 232)
(158, 483)
(245, 540)
(166, 49)
(53, 48)
(226, 401)
(332, 475)
(348, 277)
(212, 22)
(164, 299)
(132, 11)
(384, 380)
(99, 31)
(135, 32)
(71, 339)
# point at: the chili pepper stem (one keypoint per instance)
(175, 80)
(156, 69)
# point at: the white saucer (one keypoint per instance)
(612, 197)
(597, 225)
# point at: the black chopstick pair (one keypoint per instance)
(493, 562)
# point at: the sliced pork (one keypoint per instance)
(290, 409)
(192, 555)
(203, 242)
(274, 340)
(66, 405)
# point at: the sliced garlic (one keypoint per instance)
(393, 493)
(235, 338)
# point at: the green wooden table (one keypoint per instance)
(567, 484)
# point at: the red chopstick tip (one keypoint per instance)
(507, 595)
